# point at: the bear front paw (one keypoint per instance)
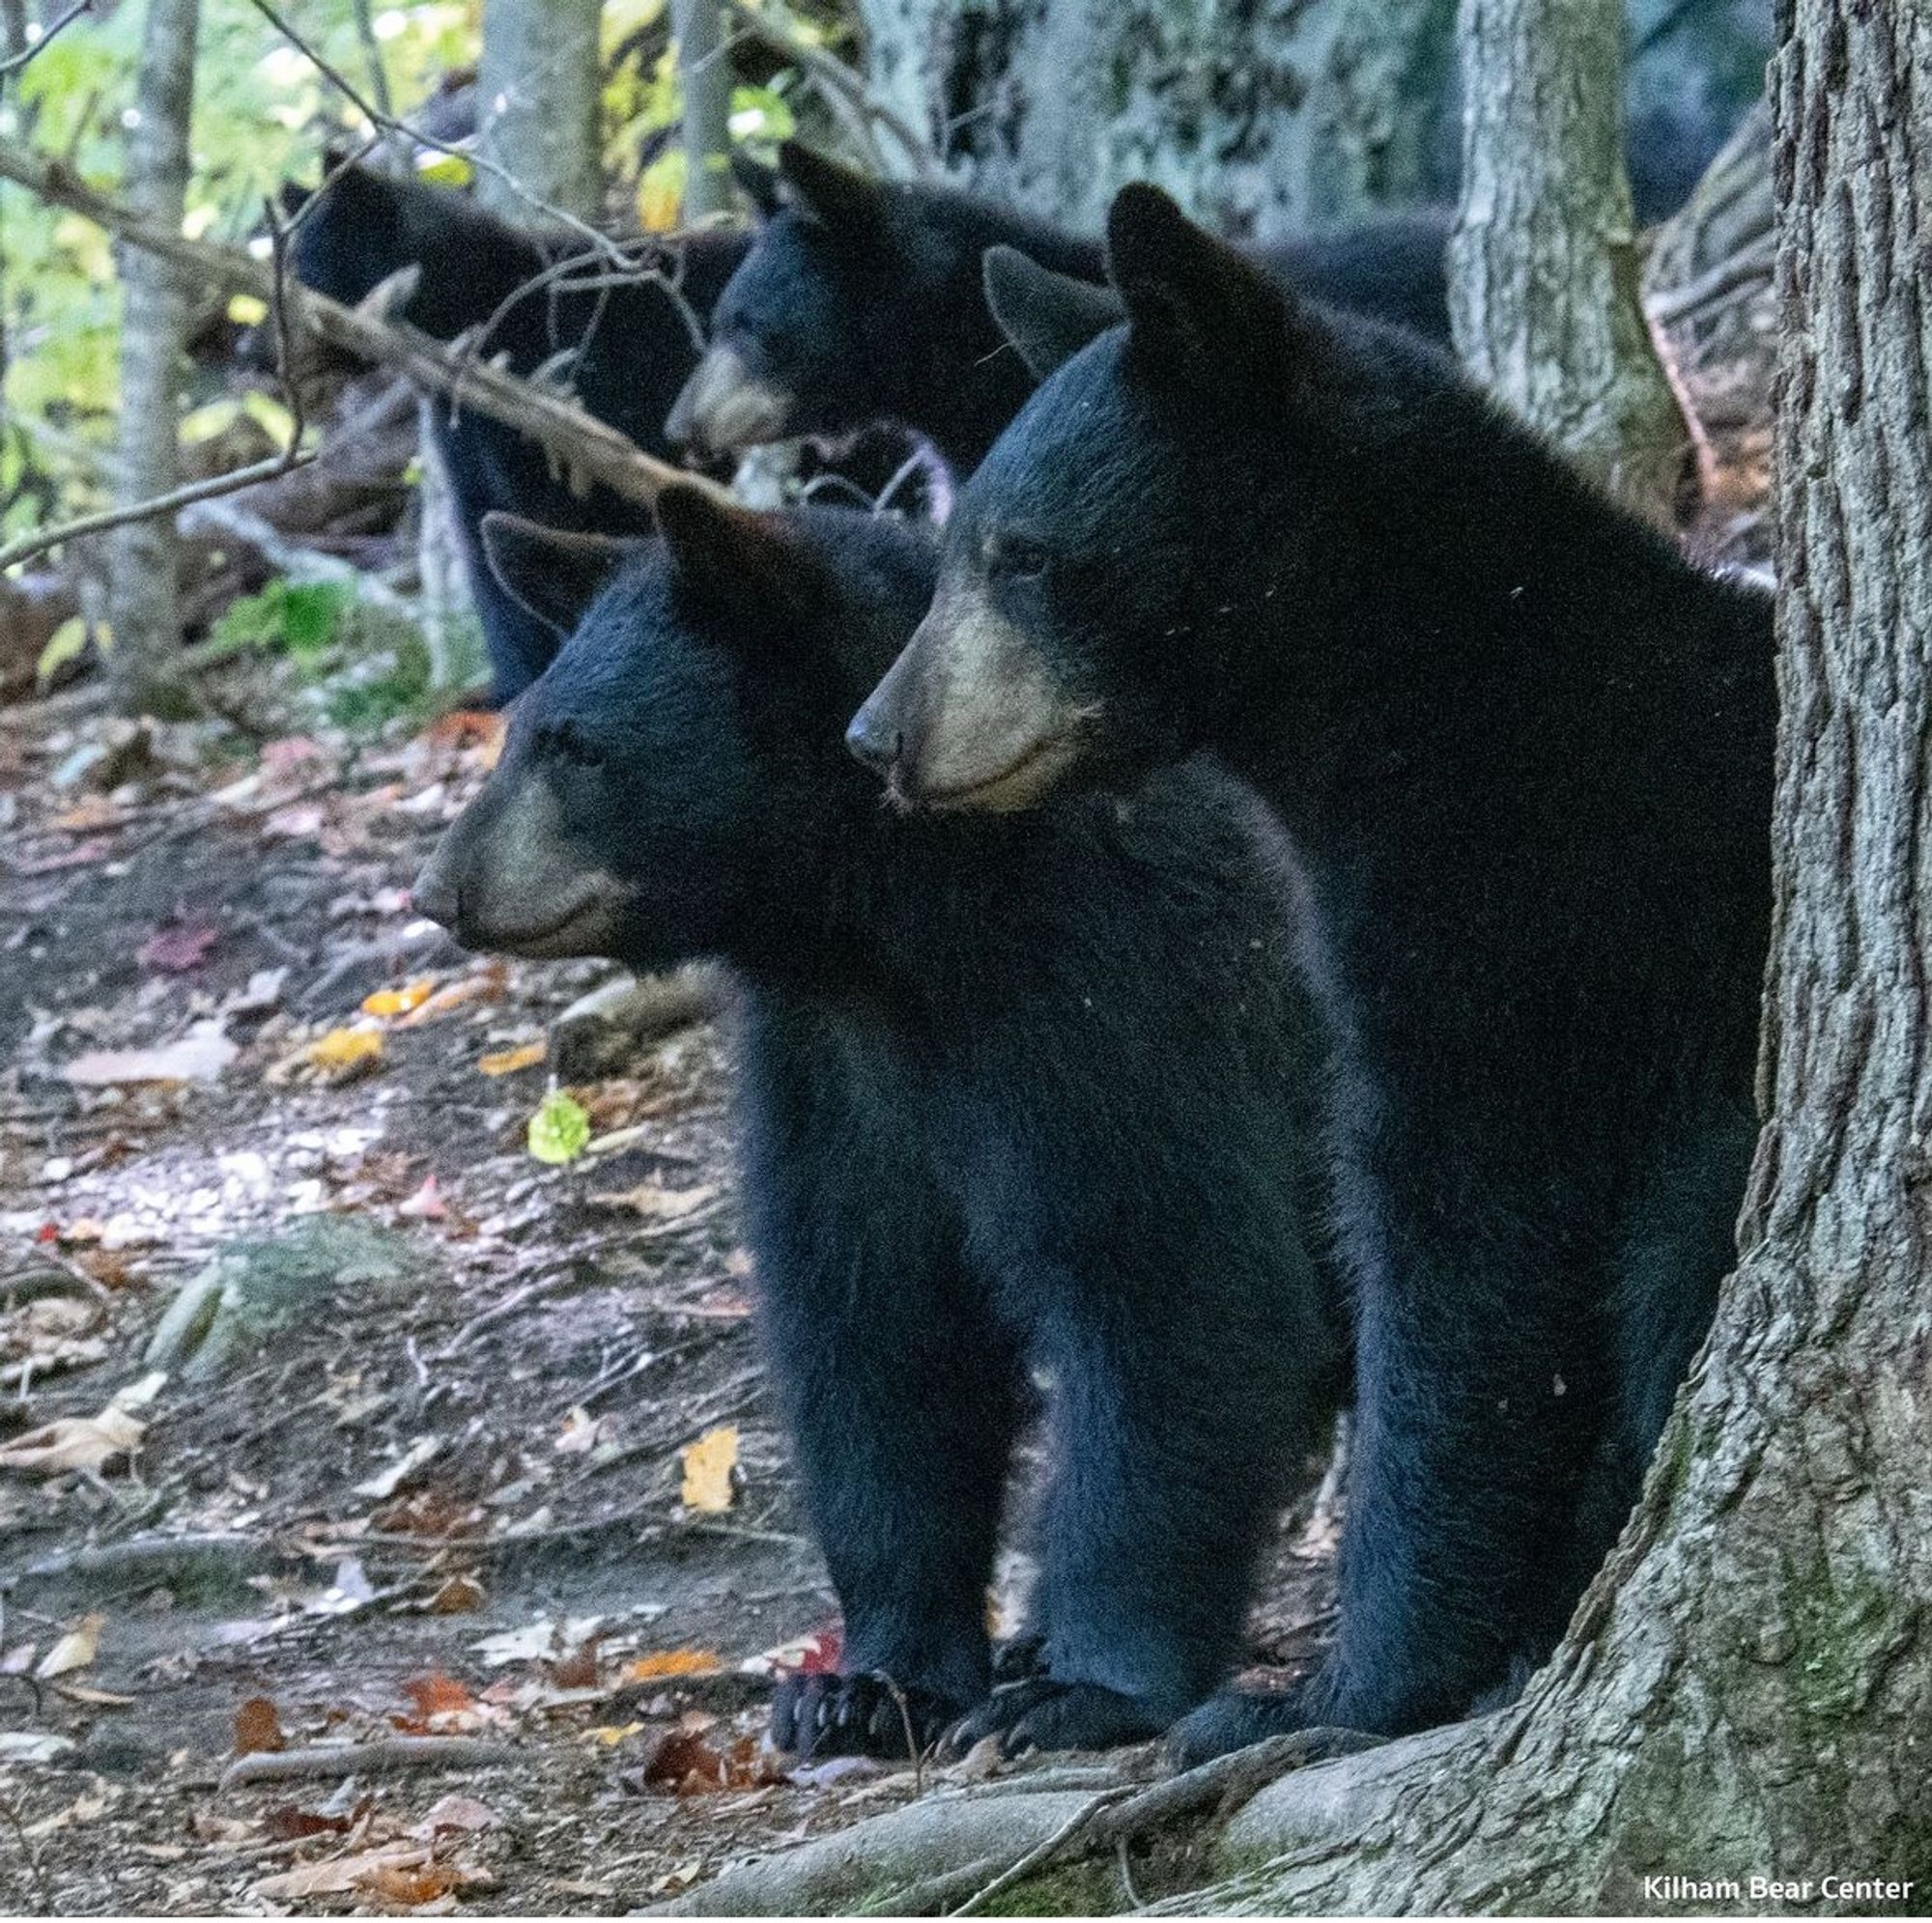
(1040, 1713)
(862, 1714)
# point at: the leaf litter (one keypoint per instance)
(595, 1573)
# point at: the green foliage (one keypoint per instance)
(302, 617)
(261, 113)
(560, 1129)
(361, 668)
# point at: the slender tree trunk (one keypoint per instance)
(144, 596)
(1544, 263)
(539, 89)
(1746, 1687)
(1259, 120)
(705, 73)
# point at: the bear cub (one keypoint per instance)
(1521, 752)
(1019, 1097)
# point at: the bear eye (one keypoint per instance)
(569, 741)
(1014, 556)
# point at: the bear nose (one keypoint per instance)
(874, 741)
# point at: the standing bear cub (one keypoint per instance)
(1021, 1095)
(1523, 754)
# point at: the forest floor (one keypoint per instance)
(422, 1477)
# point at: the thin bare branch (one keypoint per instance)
(27, 545)
(390, 124)
(593, 448)
(27, 55)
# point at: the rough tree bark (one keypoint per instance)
(1258, 119)
(144, 600)
(538, 90)
(1544, 263)
(705, 73)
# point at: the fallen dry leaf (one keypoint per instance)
(384, 1483)
(486, 987)
(511, 1060)
(341, 1050)
(815, 1654)
(457, 1597)
(426, 1204)
(289, 1822)
(661, 1663)
(579, 1669)
(258, 1728)
(685, 1765)
(457, 1812)
(711, 1474)
(403, 1001)
(84, 1442)
(580, 1433)
(443, 1707)
(660, 1203)
(178, 947)
(387, 1868)
(75, 1650)
(199, 1056)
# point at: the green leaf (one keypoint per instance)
(561, 1129)
(64, 646)
(449, 170)
(310, 613)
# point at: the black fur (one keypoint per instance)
(1014, 1093)
(1521, 752)
(861, 300)
(624, 350)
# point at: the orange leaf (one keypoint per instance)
(670, 1663)
(509, 1060)
(258, 1728)
(402, 1000)
(438, 1695)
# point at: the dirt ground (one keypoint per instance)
(435, 1489)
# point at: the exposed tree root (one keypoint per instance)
(953, 1854)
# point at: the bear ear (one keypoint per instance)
(735, 557)
(1194, 305)
(1047, 317)
(292, 197)
(762, 185)
(552, 575)
(841, 197)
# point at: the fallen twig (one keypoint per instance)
(384, 1756)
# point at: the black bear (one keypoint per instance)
(1015, 1094)
(862, 301)
(624, 348)
(1522, 755)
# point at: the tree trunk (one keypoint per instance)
(1544, 266)
(704, 74)
(1746, 1689)
(1259, 120)
(144, 595)
(538, 90)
